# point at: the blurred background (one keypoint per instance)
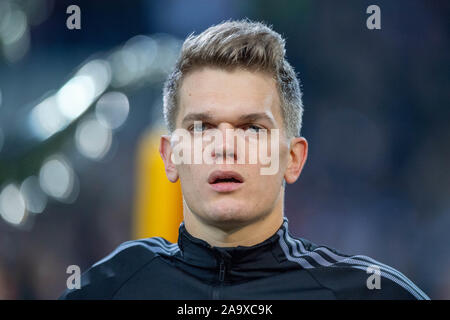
(80, 113)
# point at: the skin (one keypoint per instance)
(254, 212)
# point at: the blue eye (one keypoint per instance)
(253, 128)
(200, 128)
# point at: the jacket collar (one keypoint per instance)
(240, 262)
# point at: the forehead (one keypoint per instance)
(227, 95)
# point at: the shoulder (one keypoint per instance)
(352, 276)
(106, 276)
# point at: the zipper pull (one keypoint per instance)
(222, 271)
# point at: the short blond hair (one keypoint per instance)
(238, 44)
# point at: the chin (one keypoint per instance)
(229, 213)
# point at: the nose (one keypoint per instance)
(225, 148)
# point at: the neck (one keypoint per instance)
(245, 234)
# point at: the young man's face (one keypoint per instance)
(225, 100)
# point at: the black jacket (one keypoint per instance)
(281, 267)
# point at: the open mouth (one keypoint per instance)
(225, 181)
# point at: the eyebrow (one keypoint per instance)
(206, 116)
(202, 116)
(251, 117)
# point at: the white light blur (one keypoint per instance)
(56, 112)
(76, 96)
(12, 205)
(5, 11)
(133, 61)
(35, 198)
(46, 118)
(168, 50)
(13, 26)
(18, 49)
(112, 109)
(92, 139)
(100, 73)
(14, 33)
(125, 67)
(57, 178)
(145, 50)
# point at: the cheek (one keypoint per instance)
(262, 194)
(263, 186)
(193, 178)
(186, 176)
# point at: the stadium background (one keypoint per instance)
(80, 111)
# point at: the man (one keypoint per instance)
(234, 243)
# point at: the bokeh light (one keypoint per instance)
(12, 205)
(57, 178)
(99, 72)
(76, 96)
(112, 109)
(14, 32)
(92, 139)
(35, 198)
(46, 118)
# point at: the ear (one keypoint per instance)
(297, 158)
(165, 150)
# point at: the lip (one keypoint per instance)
(225, 186)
